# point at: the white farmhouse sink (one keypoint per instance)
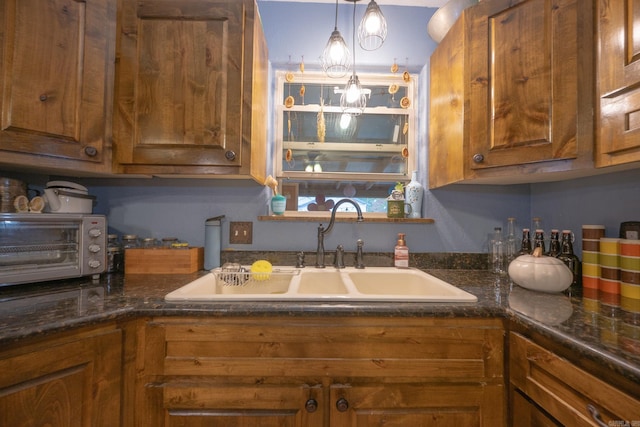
(328, 284)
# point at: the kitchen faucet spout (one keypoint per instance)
(322, 231)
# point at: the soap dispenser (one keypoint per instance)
(401, 253)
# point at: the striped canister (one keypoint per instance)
(591, 235)
(630, 268)
(609, 259)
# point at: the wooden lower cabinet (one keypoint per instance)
(548, 390)
(71, 380)
(320, 372)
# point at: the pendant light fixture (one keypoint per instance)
(353, 100)
(373, 28)
(336, 58)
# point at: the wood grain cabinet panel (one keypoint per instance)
(56, 83)
(191, 94)
(512, 93)
(72, 381)
(549, 390)
(322, 371)
(618, 129)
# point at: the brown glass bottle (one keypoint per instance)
(569, 258)
(555, 248)
(538, 240)
(525, 248)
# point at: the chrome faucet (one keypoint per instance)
(322, 231)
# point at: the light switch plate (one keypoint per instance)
(240, 233)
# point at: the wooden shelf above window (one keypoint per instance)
(325, 216)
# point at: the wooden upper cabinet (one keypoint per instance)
(618, 127)
(515, 78)
(56, 82)
(192, 88)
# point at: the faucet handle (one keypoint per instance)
(300, 260)
(359, 254)
(338, 261)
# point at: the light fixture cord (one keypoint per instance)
(335, 26)
(353, 38)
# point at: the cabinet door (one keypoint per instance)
(525, 413)
(232, 405)
(74, 383)
(437, 405)
(619, 83)
(180, 94)
(562, 390)
(56, 77)
(527, 81)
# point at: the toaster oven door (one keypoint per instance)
(36, 247)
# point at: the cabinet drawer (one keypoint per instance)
(434, 348)
(563, 390)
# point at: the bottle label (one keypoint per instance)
(401, 258)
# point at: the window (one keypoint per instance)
(330, 155)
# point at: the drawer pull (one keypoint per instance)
(311, 405)
(342, 404)
(595, 414)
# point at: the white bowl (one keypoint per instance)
(444, 18)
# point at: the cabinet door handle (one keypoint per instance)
(311, 405)
(595, 414)
(230, 155)
(342, 404)
(90, 151)
(478, 158)
(43, 97)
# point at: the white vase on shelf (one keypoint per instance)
(413, 196)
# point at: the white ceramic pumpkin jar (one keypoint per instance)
(540, 273)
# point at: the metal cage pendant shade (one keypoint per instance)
(336, 58)
(372, 30)
(353, 100)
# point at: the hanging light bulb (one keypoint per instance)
(345, 121)
(373, 28)
(336, 58)
(353, 100)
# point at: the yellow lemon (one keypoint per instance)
(261, 269)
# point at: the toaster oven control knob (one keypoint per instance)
(94, 249)
(94, 263)
(95, 232)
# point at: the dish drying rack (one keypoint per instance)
(232, 274)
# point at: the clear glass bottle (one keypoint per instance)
(538, 240)
(496, 252)
(537, 225)
(554, 244)
(511, 244)
(525, 247)
(569, 258)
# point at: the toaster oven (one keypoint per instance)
(37, 247)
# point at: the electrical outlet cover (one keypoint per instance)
(241, 233)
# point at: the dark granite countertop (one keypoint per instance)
(603, 330)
